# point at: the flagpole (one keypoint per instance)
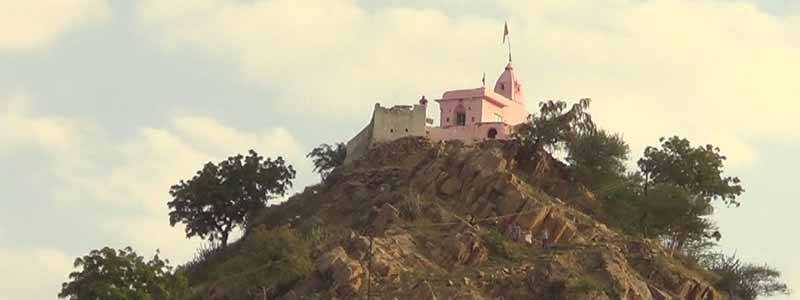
(509, 48)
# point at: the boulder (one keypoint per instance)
(346, 275)
(465, 249)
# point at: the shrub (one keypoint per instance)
(582, 284)
(270, 261)
(500, 246)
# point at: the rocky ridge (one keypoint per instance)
(417, 220)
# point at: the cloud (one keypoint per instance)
(128, 176)
(724, 69)
(52, 133)
(27, 25)
(156, 158)
(33, 274)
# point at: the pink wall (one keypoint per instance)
(447, 115)
(469, 134)
(515, 113)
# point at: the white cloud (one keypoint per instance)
(26, 25)
(21, 127)
(654, 68)
(33, 274)
(146, 165)
(132, 175)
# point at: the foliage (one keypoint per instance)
(746, 281)
(122, 274)
(553, 127)
(696, 169)
(209, 254)
(677, 216)
(687, 180)
(327, 157)
(500, 246)
(622, 203)
(269, 262)
(220, 197)
(583, 284)
(597, 158)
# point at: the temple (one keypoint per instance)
(469, 115)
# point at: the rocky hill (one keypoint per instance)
(417, 220)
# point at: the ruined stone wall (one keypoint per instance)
(389, 124)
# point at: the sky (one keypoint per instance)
(104, 104)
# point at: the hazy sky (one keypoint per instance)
(104, 104)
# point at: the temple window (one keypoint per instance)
(461, 119)
(461, 116)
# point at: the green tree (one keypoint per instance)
(622, 203)
(597, 159)
(220, 197)
(696, 169)
(745, 281)
(677, 216)
(122, 275)
(554, 126)
(685, 181)
(327, 157)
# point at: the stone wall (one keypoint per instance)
(388, 124)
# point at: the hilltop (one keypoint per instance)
(433, 217)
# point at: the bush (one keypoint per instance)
(746, 281)
(270, 262)
(500, 246)
(583, 284)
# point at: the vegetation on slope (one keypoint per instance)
(413, 219)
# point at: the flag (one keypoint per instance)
(505, 33)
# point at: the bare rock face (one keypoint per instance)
(467, 249)
(696, 290)
(626, 282)
(426, 253)
(346, 274)
(422, 291)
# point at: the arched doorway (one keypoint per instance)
(492, 133)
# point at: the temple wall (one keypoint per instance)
(515, 113)
(470, 134)
(448, 115)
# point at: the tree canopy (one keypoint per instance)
(597, 158)
(554, 125)
(327, 157)
(696, 169)
(122, 275)
(220, 196)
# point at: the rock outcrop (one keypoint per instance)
(416, 220)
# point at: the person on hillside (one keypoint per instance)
(516, 232)
(528, 237)
(545, 239)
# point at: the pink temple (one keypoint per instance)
(470, 115)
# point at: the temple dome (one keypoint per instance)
(508, 85)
